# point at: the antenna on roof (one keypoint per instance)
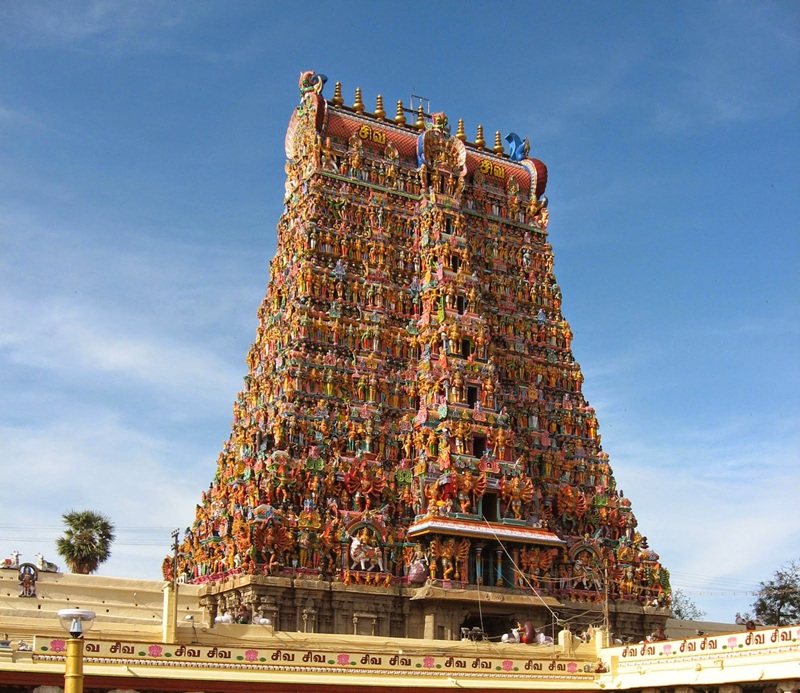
(423, 101)
(420, 106)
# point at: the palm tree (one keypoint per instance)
(87, 540)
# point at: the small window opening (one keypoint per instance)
(489, 507)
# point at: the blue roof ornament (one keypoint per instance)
(519, 148)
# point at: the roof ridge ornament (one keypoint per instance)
(311, 81)
(519, 149)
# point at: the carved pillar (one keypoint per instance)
(479, 564)
(308, 617)
(268, 608)
(499, 554)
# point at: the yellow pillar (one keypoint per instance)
(169, 622)
(73, 675)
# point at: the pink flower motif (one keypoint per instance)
(732, 642)
(572, 667)
(154, 651)
(667, 649)
(251, 655)
(58, 645)
(428, 662)
(508, 665)
(343, 659)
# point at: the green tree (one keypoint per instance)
(87, 540)
(684, 608)
(778, 599)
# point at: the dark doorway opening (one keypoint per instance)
(487, 628)
(489, 507)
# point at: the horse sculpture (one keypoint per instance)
(363, 555)
(587, 576)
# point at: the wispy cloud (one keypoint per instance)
(91, 460)
(50, 21)
(721, 81)
(116, 27)
(13, 119)
(119, 314)
(67, 339)
(727, 487)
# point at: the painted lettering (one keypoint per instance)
(184, 651)
(365, 132)
(92, 647)
(755, 639)
(491, 169)
(314, 657)
(280, 656)
(454, 663)
(118, 647)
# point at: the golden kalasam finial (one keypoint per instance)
(480, 143)
(358, 106)
(420, 124)
(337, 99)
(380, 114)
(498, 144)
(400, 117)
(460, 134)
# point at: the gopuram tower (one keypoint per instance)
(411, 454)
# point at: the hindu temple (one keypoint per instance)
(411, 454)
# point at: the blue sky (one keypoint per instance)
(141, 180)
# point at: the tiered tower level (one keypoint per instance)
(411, 453)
